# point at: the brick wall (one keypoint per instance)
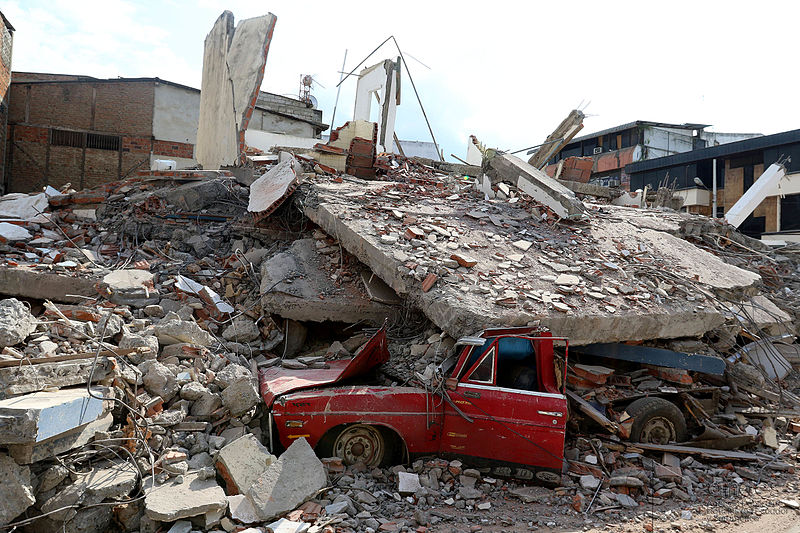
(173, 149)
(6, 46)
(120, 108)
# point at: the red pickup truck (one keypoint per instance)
(500, 399)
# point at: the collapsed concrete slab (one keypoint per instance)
(295, 284)
(295, 477)
(233, 69)
(38, 416)
(241, 462)
(536, 183)
(16, 491)
(627, 281)
(172, 500)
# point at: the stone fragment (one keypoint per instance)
(464, 260)
(240, 396)
(113, 482)
(181, 526)
(16, 322)
(130, 287)
(531, 494)
(567, 279)
(172, 501)
(288, 526)
(230, 374)
(132, 340)
(241, 462)
(159, 380)
(242, 510)
(626, 501)
(626, 481)
(175, 331)
(242, 329)
(589, 482)
(407, 483)
(288, 482)
(12, 232)
(16, 492)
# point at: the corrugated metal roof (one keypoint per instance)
(723, 150)
(635, 123)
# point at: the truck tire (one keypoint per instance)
(656, 421)
(355, 443)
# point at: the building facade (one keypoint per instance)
(87, 131)
(611, 150)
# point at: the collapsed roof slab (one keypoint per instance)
(531, 180)
(611, 279)
(296, 285)
(233, 69)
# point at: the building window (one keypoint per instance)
(67, 138)
(102, 142)
(79, 139)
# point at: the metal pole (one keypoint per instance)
(714, 189)
(338, 90)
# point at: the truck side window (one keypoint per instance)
(484, 372)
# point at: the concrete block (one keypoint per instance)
(29, 453)
(16, 492)
(173, 501)
(241, 462)
(288, 482)
(38, 416)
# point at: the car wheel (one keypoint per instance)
(361, 443)
(656, 421)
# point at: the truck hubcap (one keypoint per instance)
(658, 430)
(360, 443)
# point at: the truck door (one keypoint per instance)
(511, 419)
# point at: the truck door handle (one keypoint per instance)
(470, 394)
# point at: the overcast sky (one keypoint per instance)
(507, 72)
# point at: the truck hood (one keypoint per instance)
(277, 381)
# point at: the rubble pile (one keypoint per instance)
(143, 311)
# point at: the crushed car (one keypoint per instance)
(500, 400)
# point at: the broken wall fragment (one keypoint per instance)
(233, 69)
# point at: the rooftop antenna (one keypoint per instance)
(307, 82)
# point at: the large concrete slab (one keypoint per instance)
(233, 69)
(608, 279)
(296, 284)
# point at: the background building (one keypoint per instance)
(614, 148)
(87, 131)
(738, 165)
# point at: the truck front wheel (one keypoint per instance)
(656, 421)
